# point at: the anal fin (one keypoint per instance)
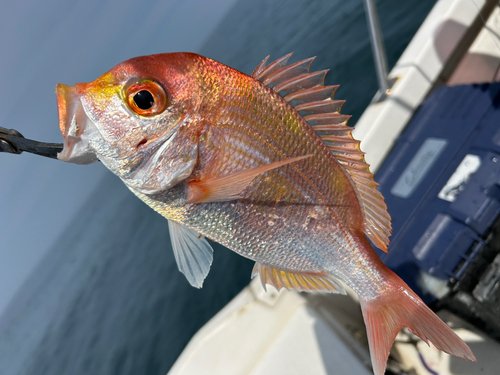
(303, 282)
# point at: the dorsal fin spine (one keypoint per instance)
(291, 71)
(350, 161)
(325, 117)
(271, 68)
(340, 151)
(311, 94)
(321, 103)
(304, 80)
(337, 139)
(260, 67)
(342, 132)
(329, 128)
(356, 173)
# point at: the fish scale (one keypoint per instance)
(228, 157)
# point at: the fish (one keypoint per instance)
(264, 164)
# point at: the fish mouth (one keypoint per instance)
(76, 128)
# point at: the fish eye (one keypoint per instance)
(146, 97)
(144, 100)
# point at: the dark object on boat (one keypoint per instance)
(13, 142)
(441, 182)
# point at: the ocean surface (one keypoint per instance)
(108, 298)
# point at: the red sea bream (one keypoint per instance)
(263, 164)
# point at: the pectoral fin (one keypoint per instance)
(192, 252)
(229, 187)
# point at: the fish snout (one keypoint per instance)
(68, 98)
(73, 123)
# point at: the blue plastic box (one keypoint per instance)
(441, 182)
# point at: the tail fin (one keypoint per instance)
(399, 306)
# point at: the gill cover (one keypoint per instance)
(166, 162)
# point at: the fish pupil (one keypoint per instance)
(144, 100)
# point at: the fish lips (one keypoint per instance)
(76, 128)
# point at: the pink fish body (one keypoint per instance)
(263, 164)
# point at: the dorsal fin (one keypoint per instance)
(314, 101)
(299, 281)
